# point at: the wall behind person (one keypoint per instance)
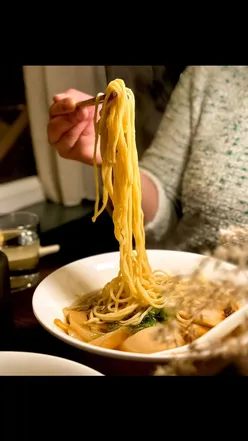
(152, 86)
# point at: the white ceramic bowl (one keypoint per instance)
(30, 364)
(61, 288)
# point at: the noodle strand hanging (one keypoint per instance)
(136, 288)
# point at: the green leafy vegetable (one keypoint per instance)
(112, 326)
(154, 316)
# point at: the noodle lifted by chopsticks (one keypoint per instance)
(136, 289)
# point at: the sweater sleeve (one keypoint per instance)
(164, 162)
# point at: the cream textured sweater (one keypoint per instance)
(199, 159)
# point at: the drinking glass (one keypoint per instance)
(19, 241)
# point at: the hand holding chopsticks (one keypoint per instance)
(92, 101)
(71, 125)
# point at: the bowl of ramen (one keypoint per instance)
(201, 304)
(31, 364)
(135, 304)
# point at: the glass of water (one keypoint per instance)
(19, 240)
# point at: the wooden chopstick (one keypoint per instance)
(92, 101)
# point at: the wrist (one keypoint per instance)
(149, 197)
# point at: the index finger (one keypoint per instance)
(67, 105)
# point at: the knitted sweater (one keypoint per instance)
(199, 159)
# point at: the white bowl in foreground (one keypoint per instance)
(30, 364)
(61, 288)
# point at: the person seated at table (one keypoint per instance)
(194, 175)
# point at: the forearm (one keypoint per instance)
(159, 212)
(149, 197)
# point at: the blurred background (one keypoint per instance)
(33, 177)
